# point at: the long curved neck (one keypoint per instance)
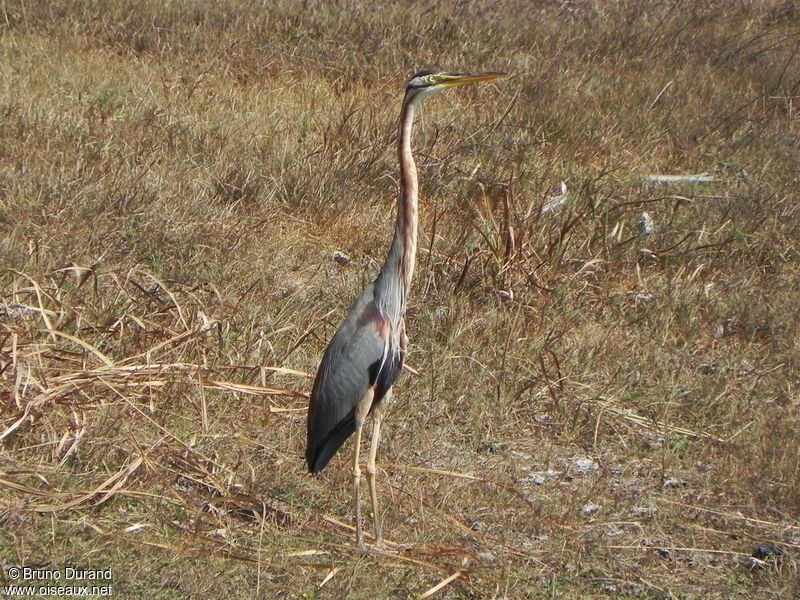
(394, 280)
(405, 232)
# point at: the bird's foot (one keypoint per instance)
(359, 534)
(377, 549)
(366, 546)
(380, 543)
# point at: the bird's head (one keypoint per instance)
(427, 83)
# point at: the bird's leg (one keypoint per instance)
(377, 417)
(361, 412)
(357, 486)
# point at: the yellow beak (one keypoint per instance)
(456, 79)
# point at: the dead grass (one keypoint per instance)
(173, 181)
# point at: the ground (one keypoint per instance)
(592, 410)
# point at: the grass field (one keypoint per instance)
(595, 412)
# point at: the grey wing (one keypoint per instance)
(360, 355)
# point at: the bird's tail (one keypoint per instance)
(320, 452)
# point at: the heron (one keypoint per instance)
(366, 354)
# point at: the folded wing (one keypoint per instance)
(361, 355)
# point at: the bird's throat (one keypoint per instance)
(407, 217)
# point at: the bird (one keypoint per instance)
(365, 356)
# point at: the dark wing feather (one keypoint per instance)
(389, 373)
(360, 355)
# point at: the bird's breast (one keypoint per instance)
(373, 315)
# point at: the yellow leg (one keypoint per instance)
(377, 417)
(357, 486)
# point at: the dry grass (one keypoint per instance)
(173, 180)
